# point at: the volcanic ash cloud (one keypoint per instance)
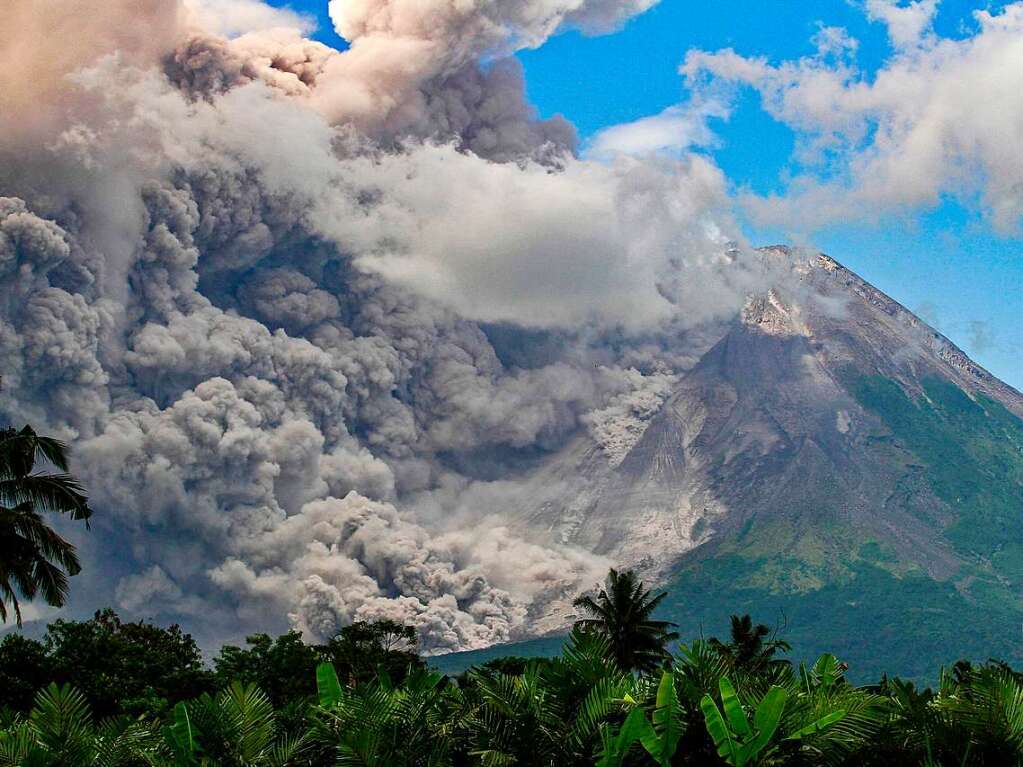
(297, 308)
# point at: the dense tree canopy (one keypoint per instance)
(284, 668)
(367, 698)
(364, 650)
(25, 668)
(122, 667)
(138, 668)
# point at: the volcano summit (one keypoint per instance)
(829, 462)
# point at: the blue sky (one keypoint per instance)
(945, 262)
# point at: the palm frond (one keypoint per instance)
(59, 493)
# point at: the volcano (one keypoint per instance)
(831, 465)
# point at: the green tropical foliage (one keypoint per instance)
(736, 740)
(60, 732)
(751, 646)
(34, 559)
(740, 741)
(659, 737)
(380, 724)
(623, 612)
(125, 668)
(736, 702)
(236, 728)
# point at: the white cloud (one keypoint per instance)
(677, 128)
(940, 117)
(908, 24)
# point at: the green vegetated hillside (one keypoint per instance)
(457, 662)
(832, 587)
(872, 601)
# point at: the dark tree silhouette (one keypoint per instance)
(284, 668)
(622, 612)
(33, 558)
(365, 649)
(134, 668)
(750, 648)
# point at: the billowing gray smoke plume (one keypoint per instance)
(307, 316)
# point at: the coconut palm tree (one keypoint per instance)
(34, 559)
(752, 647)
(622, 611)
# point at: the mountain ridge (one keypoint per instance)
(829, 441)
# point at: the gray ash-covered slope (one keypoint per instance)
(831, 459)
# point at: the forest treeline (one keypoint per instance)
(111, 693)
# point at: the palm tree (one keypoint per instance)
(622, 612)
(237, 728)
(378, 724)
(975, 718)
(551, 712)
(750, 647)
(60, 732)
(33, 558)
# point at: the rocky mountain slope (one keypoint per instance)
(831, 463)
